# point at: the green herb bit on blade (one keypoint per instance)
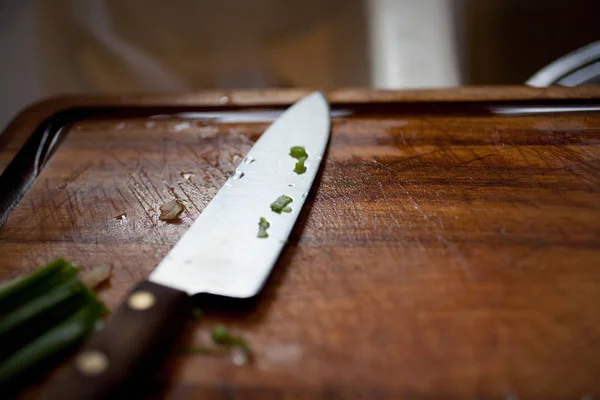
(300, 168)
(299, 153)
(281, 203)
(287, 209)
(263, 225)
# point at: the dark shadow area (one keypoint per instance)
(507, 41)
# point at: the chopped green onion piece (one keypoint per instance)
(300, 168)
(221, 335)
(27, 322)
(287, 209)
(281, 203)
(54, 341)
(299, 153)
(39, 306)
(42, 316)
(263, 225)
(38, 283)
(225, 343)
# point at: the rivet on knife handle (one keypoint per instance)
(134, 338)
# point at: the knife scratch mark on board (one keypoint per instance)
(123, 197)
(391, 212)
(143, 191)
(217, 177)
(476, 158)
(218, 151)
(580, 163)
(117, 159)
(44, 201)
(94, 207)
(449, 153)
(142, 201)
(51, 212)
(520, 150)
(150, 188)
(500, 141)
(146, 161)
(188, 197)
(143, 204)
(71, 210)
(438, 229)
(110, 200)
(164, 152)
(542, 156)
(79, 203)
(418, 157)
(191, 150)
(53, 207)
(205, 193)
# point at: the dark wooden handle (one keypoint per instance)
(130, 346)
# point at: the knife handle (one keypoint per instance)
(131, 345)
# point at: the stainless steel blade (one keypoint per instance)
(221, 253)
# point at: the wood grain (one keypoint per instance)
(446, 252)
(12, 138)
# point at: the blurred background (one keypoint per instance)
(52, 47)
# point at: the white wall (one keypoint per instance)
(413, 43)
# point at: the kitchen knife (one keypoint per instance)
(220, 254)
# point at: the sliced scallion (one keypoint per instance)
(263, 225)
(299, 153)
(38, 283)
(281, 203)
(58, 339)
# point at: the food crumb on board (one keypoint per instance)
(170, 210)
(96, 276)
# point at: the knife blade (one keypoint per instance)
(220, 254)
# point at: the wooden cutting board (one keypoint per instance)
(450, 247)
